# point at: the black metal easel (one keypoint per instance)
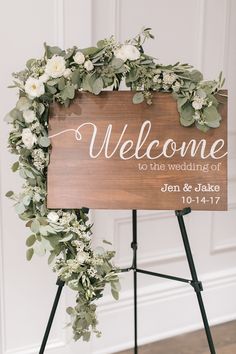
(194, 282)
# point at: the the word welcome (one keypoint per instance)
(128, 149)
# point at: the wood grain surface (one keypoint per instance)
(76, 180)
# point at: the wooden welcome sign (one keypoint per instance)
(108, 153)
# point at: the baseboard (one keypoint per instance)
(165, 310)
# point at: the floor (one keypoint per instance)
(224, 337)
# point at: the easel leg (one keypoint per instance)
(60, 284)
(134, 246)
(195, 282)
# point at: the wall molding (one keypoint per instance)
(166, 255)
(228, 245)
(52, 345)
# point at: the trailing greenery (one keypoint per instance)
(65, 235)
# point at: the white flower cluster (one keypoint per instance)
(79, 245)
(39, 159)
(67, 218)
(35, 126)
(157, 79)
(36, 193)
(92, 272)
(198, 102)
(169, 78)
(79, 59)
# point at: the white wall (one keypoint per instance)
(199, 32)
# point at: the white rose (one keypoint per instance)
(197, 105)
(43, 78)
(127, 51)
(79, 58)
(29, 116)
(67, 73)
(28, 138)
(82, 257)
(52, 216)
(34, 87)
(55, 66)
(88, 65)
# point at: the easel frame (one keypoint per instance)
(194, 282)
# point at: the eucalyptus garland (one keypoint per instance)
(65, 235)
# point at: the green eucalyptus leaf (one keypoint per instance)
(53, 82)
(51, 89)
(39, 249)
(50, 51)
(22, 173)
(29, 254)
(35, 226)
(87, 83)
(40, 108)
(201, 127)
(46, 244)
(44, 141)
(51, 257)
(132, 75)
(187, 112)
(90, 50)
(211, 114)
(30, 240)
(20, 208)
(201, 93)
(86, 336)
(196, 76)
(186, 123)
(213, 124)
(43, 230)
(181, 101)
(26, 200)
(9, 194)
(16, 114)
(101, 44)
(30, 62)
(138, 98)
(70, 311)
(75, 77)
(97, 86)
(29, 173)
(107, 242)
(61, 83)
(66, 238)
(68, 92)
(117, 63)
(23, 104)
(115, 294)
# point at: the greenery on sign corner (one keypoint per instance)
(65, 235)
